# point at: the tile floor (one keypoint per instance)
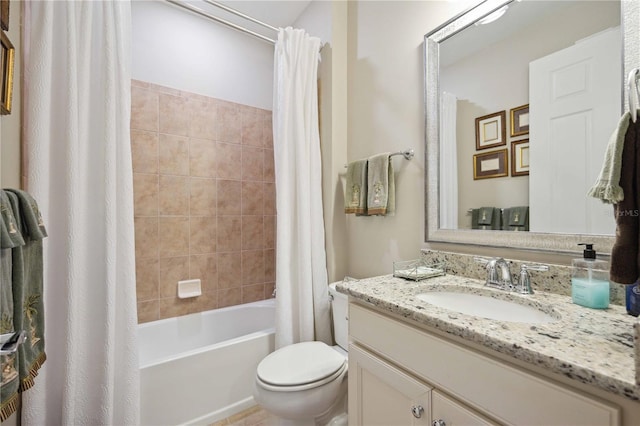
(253, 416)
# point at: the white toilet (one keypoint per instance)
(306, 383)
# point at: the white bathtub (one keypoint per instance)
(200, 368)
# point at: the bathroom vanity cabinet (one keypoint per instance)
(383, 394)
(404, 374)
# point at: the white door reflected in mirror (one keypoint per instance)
(574, 102)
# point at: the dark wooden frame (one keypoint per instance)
(7, 53)
(4, 15)
(502, 169)
(499, 118)
(514, 159)
(516, 128)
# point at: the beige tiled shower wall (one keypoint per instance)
(204, 200)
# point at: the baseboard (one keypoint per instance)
(223, 413)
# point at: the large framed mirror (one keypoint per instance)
(494, 143)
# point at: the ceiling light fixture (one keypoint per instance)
(492, 16)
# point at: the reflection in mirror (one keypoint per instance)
(569, 76)
(524, 75)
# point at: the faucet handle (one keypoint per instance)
(524, 282)
(484, 260)
(540, 268)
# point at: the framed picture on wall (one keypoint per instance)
(491, 130)
(6, 67)
(4, 15)
(520, 120)
(490, 164)
(520, 158)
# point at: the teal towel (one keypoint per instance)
(474, 218)
(355, 193)
(10, 237)
(27, 289)
(515, 219)
(486, 218)
(607, 187)
(485, 215)
(381, 198)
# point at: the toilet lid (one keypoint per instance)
(299, 364)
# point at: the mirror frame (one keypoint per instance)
(544, 242)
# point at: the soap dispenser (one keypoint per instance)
(590, 280)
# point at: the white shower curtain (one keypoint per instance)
(448, 162)
(302, 300)
(77, 112)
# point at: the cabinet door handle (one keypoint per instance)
(438, 422)
(417, 411)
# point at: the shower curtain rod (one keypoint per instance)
(240, 14)
(201, 12)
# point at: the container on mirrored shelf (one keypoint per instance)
(418, 269)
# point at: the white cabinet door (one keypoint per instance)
(381, 394)
(447, 412)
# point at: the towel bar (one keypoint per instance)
(408, 154)
(469, 211)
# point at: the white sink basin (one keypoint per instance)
(486, 307)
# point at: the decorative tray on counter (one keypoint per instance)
(417, 269)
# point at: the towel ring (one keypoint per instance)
(633, 93)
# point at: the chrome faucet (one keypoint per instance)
(499, 275)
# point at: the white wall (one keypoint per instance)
(316, 20)
(10, 125)
(202, 57)
(386, 113)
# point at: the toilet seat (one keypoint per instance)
(300, 366)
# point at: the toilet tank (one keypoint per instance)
(339, 303)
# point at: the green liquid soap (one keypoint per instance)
(590, 293)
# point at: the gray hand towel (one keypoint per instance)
(515, 218)
(607, 187)
(474, 218)
(380, 185)
(355, 194)
(486, 218)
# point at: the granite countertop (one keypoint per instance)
(591, 346)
